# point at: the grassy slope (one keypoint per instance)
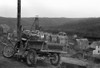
(82, 25)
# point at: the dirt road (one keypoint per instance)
(11, 63)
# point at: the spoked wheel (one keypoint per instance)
(8, 51)
(31, 58)
(55, 60)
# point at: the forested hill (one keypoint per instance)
(79, 25)
(27, 22)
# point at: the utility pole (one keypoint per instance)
(19, 19)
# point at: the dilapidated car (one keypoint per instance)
(31, 48)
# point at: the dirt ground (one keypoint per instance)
(11, 63)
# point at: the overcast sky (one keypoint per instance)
(51, 8)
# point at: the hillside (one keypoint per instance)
(44, 22)
(27, 22)
(87, 26)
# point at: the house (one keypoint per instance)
(83, 43)
(96, 45)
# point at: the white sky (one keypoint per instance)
(51, 8)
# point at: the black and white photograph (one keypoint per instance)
(49, 33)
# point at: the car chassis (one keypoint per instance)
(32, 50)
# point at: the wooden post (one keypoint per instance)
(19, 20)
